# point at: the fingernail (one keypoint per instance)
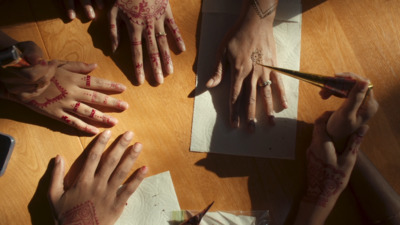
(183, 47)
(210, 82)
(170, 68)
(251, 126)
(144, 169)
(141, 78)
(58, 159)
(160, 78)
(362, 86)
(128, 135)
(123, 105)
(92, 15)
(71, 15)
(271, 120)
(107, 134)
(112, 121)
(285, 104)
(137, 148)
(94, 130)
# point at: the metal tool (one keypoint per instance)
(339, 86)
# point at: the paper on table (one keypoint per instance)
(223, 218)
(211, 131)
(151, 201)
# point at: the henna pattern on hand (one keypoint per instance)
(49, 101)
(88, 81)
(167, 58)
(323, 180)
(141, 13)
(84, 213)
(65, 118)
(155, 58)
(76, 106)
(92, 113)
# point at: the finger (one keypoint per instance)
(266, 93)
(112, 158)
(153, 52)
(280, 88)
(137, 52)
(251, 107)
(77, 123)
(325, 93)
(98, 98)
(236, 87)
(70, 7)
(31, 52)
(175, 31)
(95, 83)
(88, 9)
(94, 156)
(216, 79)
(56, 189)
(78, 67)
(131, 185)
(85, 111)
(355, 99)
(349, 154)
(112, 17)
(368, 108)
(125, 166)
(320, 126)
(161, 37)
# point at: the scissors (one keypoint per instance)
(196, 219)
(339, 86)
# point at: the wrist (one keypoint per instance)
(261, 11)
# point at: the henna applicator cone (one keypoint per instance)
(339, 86)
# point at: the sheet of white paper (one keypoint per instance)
(210, 130)
(223, 218)
(151, 202)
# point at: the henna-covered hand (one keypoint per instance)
(356, 110)
(70, 94)
(95, 195)
(251, 41)
(146, 19)
(28, 81)
(328, 172)
(86, 4)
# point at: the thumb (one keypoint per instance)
(57, 180)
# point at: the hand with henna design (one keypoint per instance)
(70, 94)
(357, 109)
(145, 19)
(91, 192)
(86, 4)
(328, 172)
(28, 81)
(251, 41)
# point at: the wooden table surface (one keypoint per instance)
(337, 35)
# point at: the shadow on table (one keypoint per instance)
(274, 184)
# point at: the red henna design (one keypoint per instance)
(76, 106)
(113, 26)
(65, 118)
(94, 97)
(138, 14)
(167, 58)
(105, 99)
(155, 58)
(84, 214)
(63, 94)
(136, 42)
(92, 113)
(323, 180)
(88, 81)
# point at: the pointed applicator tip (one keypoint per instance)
(195, 220)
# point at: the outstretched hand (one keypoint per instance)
(71, 93)
(96, 195)
(146, 19)
(249, 42)
(86, 4)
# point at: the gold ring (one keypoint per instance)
(265, 83)
(159, 34)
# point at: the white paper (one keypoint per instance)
(151, 202)
(211, 131)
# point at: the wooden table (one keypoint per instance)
(337, 35)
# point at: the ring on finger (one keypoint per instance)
(160, 34)
(265, 83)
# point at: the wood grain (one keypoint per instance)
(337, 35)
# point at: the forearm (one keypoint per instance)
(377, 198)
(6, 41)
(312, 214)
